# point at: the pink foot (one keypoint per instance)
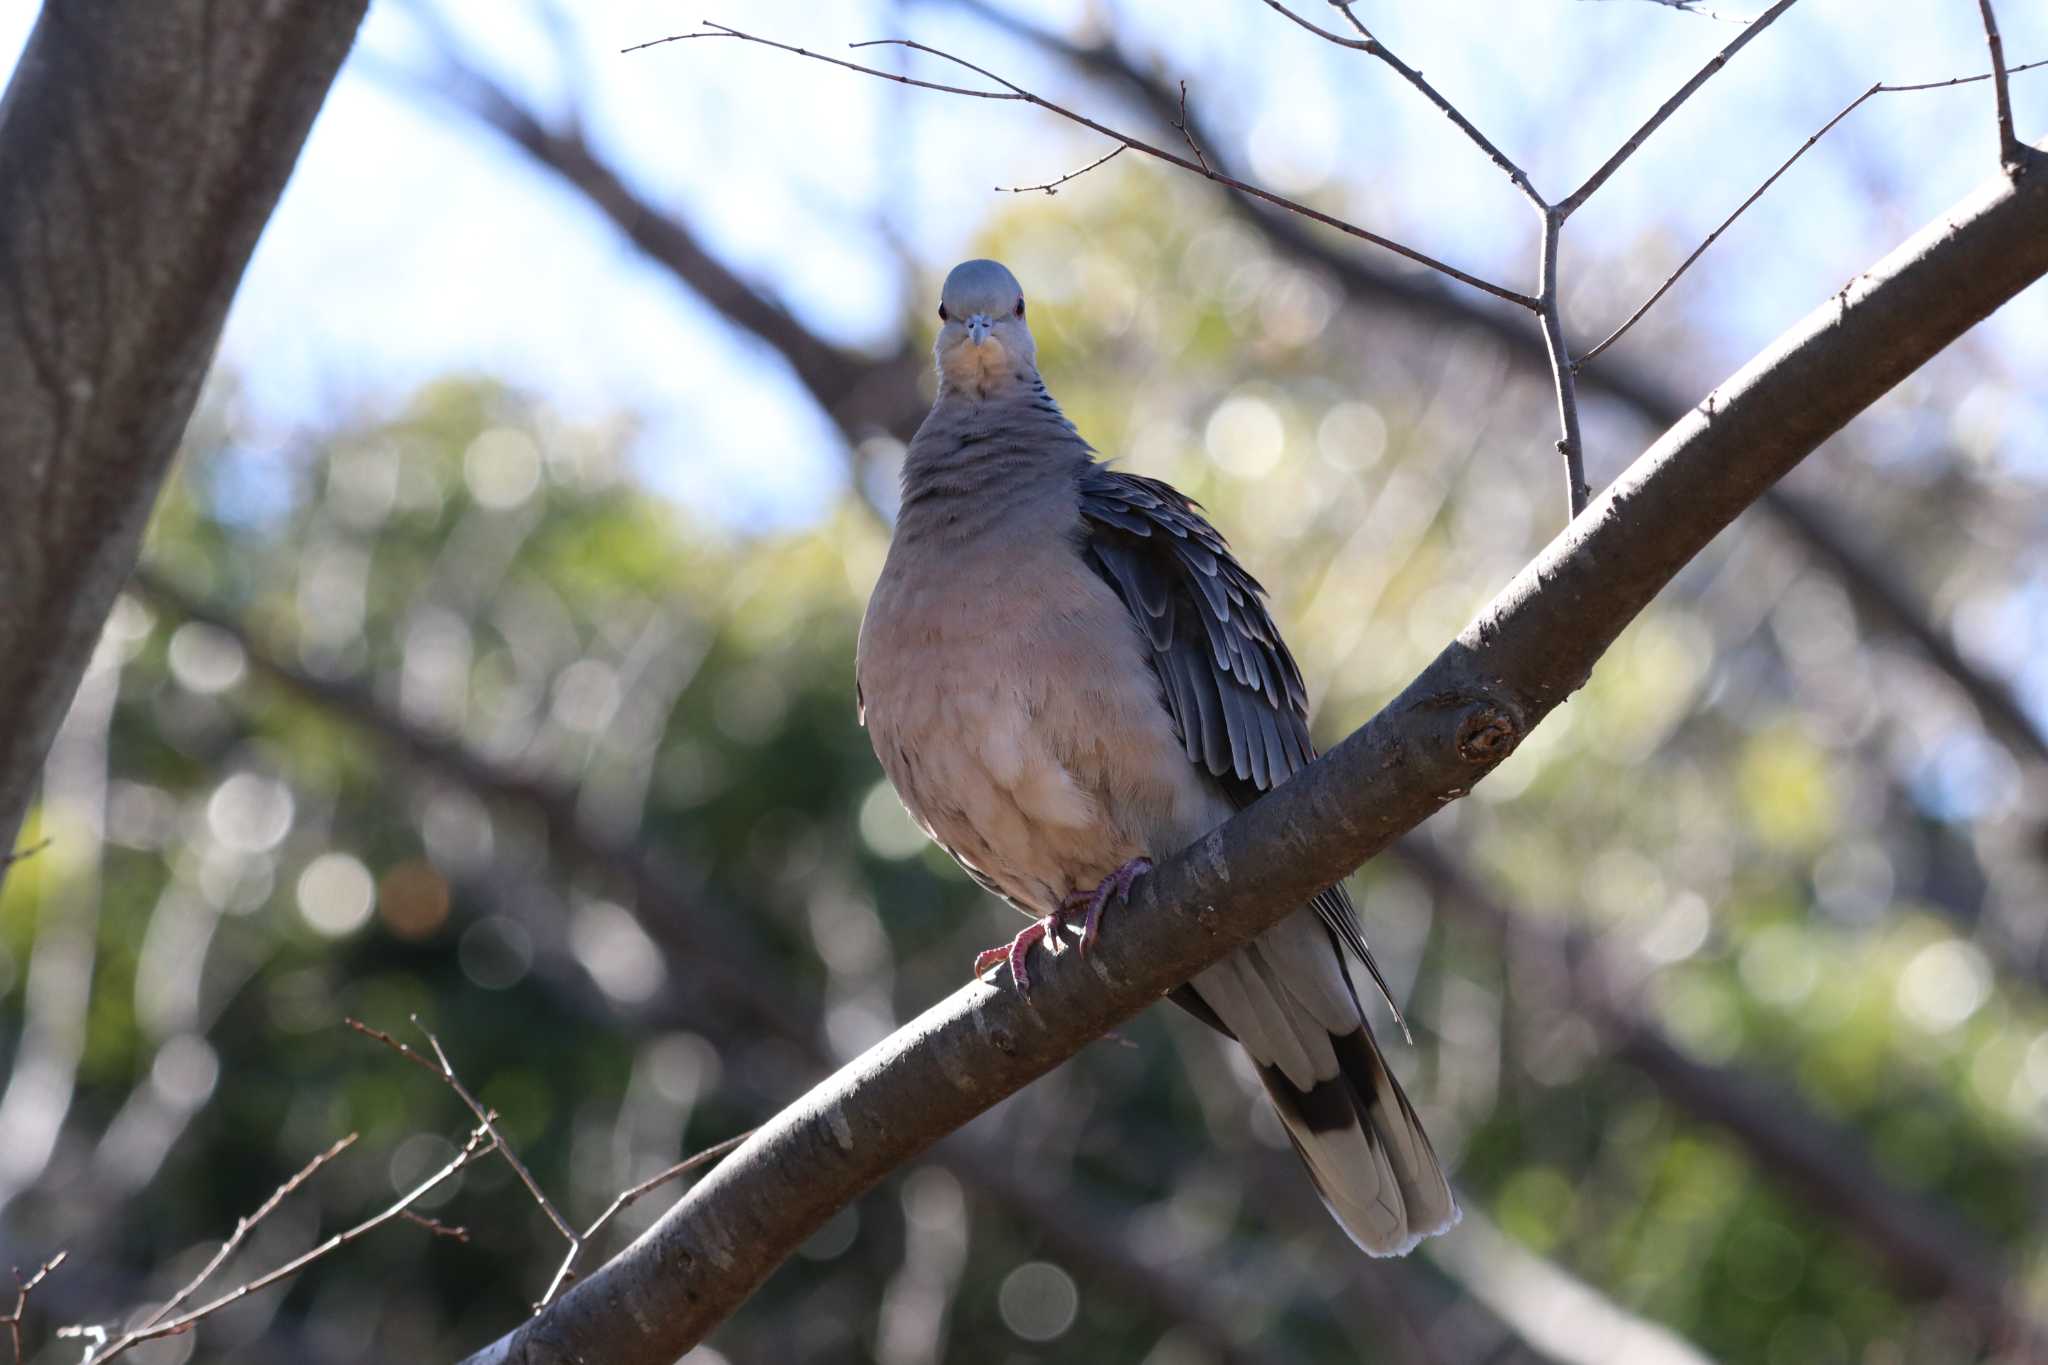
(1017, 948)
(1090, 904)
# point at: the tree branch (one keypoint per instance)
(745, 1007)
(1570, 203)
(1467, 711)
(142, 147)
(2008, 140)
(1867, 574)
(1879, 89)
(1367, 43)
(1012, 91)
(1569, 443)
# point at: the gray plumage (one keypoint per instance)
(1063, 669)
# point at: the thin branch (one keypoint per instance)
(243, 1228)
(487, 1121)
(1569, 443)
(1571, 202)
(436, 1226)
(1879, 89)
(8, 860)
(2008, 140)
(479, 1144)
(1693, 7)
(1365, 42)
(1187, 133)
(1521, 657)
(1053, 186)
(22, 1289)
(566, 1271)
(1014, 92)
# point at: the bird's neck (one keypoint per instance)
(977, 458)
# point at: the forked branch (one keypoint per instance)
(1879, 89)
(1011, 91)
(2008, 140)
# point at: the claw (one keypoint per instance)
(1116, 887)
(1088, 905)
(1015, 951)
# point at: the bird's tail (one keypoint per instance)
(1365, 1149)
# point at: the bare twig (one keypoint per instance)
(2008, 140)
(566, 1271)
(1365, 42)
(100, 1350)
(1569, 443)
(435, 1226)
(22, 1289)
(1017, 93)
(244, 1227)
(1879, 89)
(1053, 186)
(8, 860)
(1693, 7)
(487, 1122)
(1187, 133)
(1571, 202)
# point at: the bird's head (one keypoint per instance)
(983, 343)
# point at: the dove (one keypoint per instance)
(1066, 675)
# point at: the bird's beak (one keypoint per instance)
(978, 328)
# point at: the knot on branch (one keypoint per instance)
(1487, 734)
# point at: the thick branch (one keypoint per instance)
(142, 148)
(1524, 655)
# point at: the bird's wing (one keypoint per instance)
(1232, 688)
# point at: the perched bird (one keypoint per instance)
(1065, 675)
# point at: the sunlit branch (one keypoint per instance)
(1053, 186)
(22, 1289)
(1569, 443)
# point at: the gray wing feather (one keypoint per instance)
(1231, 686)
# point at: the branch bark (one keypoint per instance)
(1529, 650)
(142, 147)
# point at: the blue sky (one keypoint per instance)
(411, 242)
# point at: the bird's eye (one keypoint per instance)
(1020, 308)
(943, 315)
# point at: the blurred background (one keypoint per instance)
(491, 663)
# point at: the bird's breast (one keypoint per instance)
(1020, 721)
